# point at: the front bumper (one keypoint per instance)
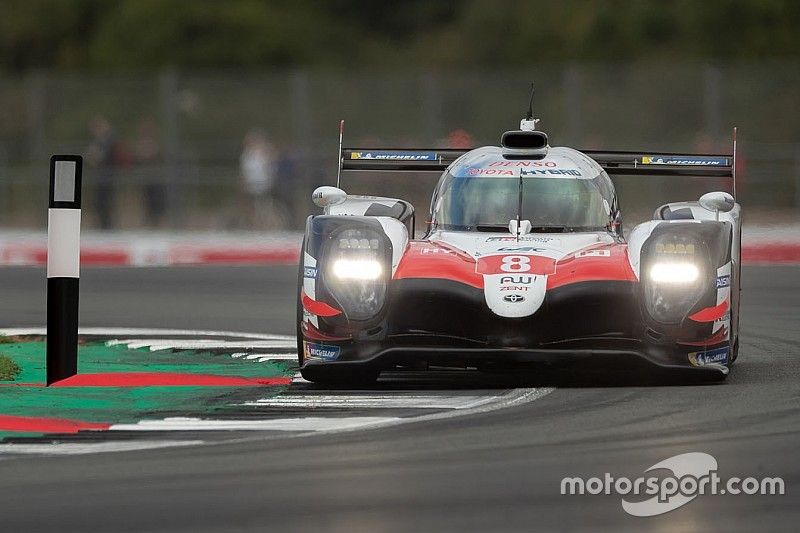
(442, 323)
(617, 359)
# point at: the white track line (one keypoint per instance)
(280, 424)
(80, 448)
(147, 332)
(312, 425)
(375, 401)
(202, 344)
(276, 357)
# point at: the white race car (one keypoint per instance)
(523, 262)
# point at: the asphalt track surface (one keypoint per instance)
(496, 471)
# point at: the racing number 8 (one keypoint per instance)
(516, 263)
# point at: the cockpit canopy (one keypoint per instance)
(563, 191)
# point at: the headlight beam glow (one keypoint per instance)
(674, 273)
(363, 269)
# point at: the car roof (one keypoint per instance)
(559, 162)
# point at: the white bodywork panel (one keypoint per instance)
(358, 205)
(640, 233)
(398, 234)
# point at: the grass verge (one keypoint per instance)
(9, 370)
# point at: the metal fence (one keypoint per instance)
(199, 120)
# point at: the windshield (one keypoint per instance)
(488, 203)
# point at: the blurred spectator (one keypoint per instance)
(287, 181)
(257, 167)
(102, 156)
(460, 138)
(147, 155)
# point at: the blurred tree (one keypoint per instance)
(131, 34)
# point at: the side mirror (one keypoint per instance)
(717, 201)
(326, 196)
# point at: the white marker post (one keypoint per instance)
(63, 266)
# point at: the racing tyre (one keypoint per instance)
(339, 378)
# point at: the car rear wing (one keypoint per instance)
(655, 164)
(400, 160)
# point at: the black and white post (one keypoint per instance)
(63, 266)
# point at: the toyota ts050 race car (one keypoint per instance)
(523, 261)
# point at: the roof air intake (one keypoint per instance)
(524, 143)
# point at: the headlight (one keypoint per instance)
(674, 273)
(359, 262)
(366, 269)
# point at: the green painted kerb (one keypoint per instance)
(124, 404)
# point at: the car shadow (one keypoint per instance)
(561, 377)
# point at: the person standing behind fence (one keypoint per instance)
(101, 157)
(147, 154)
(257, 169)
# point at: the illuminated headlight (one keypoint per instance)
(365, 269)
(674, 273)
(674, 276)
(358, 267)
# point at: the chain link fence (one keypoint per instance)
(194, 124)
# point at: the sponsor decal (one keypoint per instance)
(395, 156)
(513, 288)
(520, 249)
(309, 272)
(437, 251)
(523, 238)
(504, 163)
(718, 356)
(522, 280)
(594, 253)
(550, 171)
(490, 172)
(723, 281)
(514, 298)
(326, 352)
(685, 160)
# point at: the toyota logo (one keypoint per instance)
(513, 298)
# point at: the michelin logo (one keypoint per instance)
(718, 356)
(693, 161)
(395, 156)
(322, 351)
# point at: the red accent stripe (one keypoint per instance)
(436, 261)
(614, 267)
(318, 308)
(165, 379)
(48, 425)
(710, 314)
